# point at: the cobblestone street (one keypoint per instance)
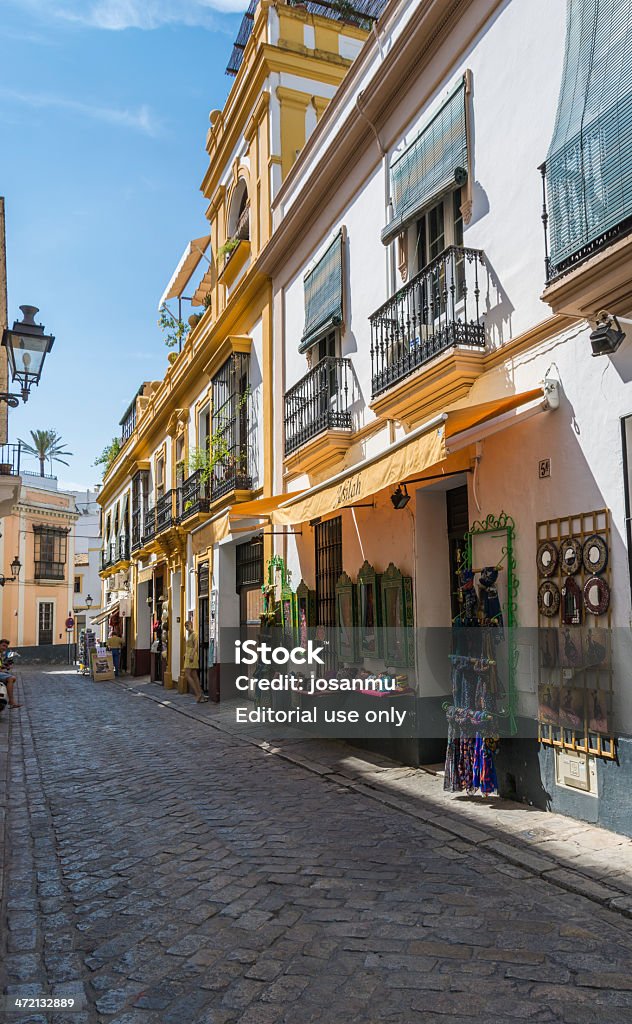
(168, 872)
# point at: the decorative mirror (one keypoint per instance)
(547, 558)
(397, 617)
(346, 618)
(370, 611)
(549, 599)
(596, 595)
(288, 611)
(571, 603)
(570, 556)
(595, 555)
(305, 612)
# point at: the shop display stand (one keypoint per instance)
(480, 700)
(87, 644)
(557, 678)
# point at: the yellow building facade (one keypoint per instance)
(40, 531)
(197, 446)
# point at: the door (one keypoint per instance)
(458, 525)
(249, 580)
(203, 623)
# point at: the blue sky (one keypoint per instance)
(103, 116)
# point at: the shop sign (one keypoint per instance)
(349, 490)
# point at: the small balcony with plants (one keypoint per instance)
(317, 416)
(233, 255)
(429, 337)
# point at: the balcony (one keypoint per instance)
(434, 319)
(123, 548)
(193, 496)
(320, 401)
(164, 512)
(137, 536)
(10, 459)
(50, 570)
(149, 526)
(317, 416)
(587, 244)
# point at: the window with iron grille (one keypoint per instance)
(328, 541)
(229, 426)
(203, 579)
(51, 546)
(249, 556)
(45, 623)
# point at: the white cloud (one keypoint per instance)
(116, 15)
(140, 119)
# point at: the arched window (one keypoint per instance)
(239, 213)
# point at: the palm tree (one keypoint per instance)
(47, 444)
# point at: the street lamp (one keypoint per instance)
(27, 346)
(16, 565)
(89, 601)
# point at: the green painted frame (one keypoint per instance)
(503, 524)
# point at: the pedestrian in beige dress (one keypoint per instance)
(192, 664)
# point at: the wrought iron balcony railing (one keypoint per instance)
(435, 311)
(123, 548)
(10, 459)
(50, 570)
(137, 535)
(164, 512)
(149, 524)
(232, 473)
(193, 496)
(318, 402)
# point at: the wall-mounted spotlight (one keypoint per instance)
(400, 496)
(607, 335)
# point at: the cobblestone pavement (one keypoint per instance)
(171, 873)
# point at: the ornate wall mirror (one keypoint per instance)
(370, 611)
(397, 617)
(347, 618)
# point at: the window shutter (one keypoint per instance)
(435, 162)
(589, 163)
(323, 295)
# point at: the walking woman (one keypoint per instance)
(192, 664)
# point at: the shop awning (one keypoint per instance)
(423, 452)
(189, 260)
(103, 616)
(232, 520)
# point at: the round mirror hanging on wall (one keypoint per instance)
(570, 556)
(596, 595)
(595, 554)
(547, 558)
(548, 599)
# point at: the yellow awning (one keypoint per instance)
(474, 415)
(422, 453)
(188, 262)
(261, 507)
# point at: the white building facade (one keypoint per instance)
(422, 344)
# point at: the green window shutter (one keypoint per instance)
(323, 295)
(589, 163)
(435, 162)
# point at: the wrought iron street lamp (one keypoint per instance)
(16, 565)
(27, 347)
(89, 601)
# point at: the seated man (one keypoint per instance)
(6, 672)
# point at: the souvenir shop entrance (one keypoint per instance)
(249, 580)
